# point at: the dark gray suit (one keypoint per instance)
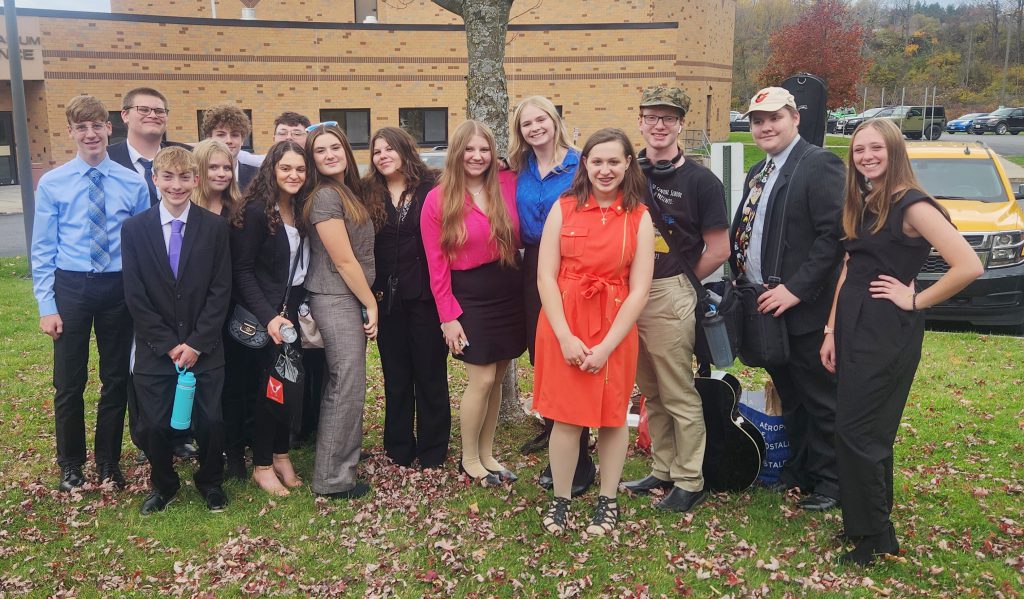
(808, 238)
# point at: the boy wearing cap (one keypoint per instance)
(792, 204)
(687, 203)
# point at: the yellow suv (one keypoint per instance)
(969, 181)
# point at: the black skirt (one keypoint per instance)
(493, 318)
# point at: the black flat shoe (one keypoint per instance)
(112, 472)
(355, 492)
(681, 500)
(647, 484)
(871, 547)
(216, 499)
(488, 480)
(155, 503)
(815, 502)
(505, 475)
(186, 451)
(70, 478)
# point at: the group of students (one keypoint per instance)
(584, 257)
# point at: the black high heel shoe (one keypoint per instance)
(489, 480)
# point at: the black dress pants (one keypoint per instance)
(241, 380)
(531, 299)
(155, 400)
(808, 394)
(87, 301)
(414, 358)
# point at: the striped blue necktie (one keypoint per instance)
(99, 244)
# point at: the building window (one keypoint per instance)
(366, 11)
(246, 143)
(558, 109)
(355, 122)
(120, 130)
(428, 126)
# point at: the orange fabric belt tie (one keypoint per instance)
(594, 298)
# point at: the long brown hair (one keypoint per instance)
(453, 196)
(898, 178)
(634, 184)
(204, 152)
(357, 209)
(413, 170)
(518, 148)
(264, 189)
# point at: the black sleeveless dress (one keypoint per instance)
(878, 347)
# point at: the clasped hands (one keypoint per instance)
(587, 359)
(183, 356)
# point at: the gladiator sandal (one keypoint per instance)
(606, 516)
(556, 515)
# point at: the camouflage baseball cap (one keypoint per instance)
(662, 95)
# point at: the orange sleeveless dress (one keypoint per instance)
(594, 280)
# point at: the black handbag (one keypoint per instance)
(245, 328)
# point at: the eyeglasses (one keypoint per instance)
(652, 119)
(292, 133)
(86, 127)
(145, 110)
(312, 128)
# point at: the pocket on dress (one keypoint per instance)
(573, 241)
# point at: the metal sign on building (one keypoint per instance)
(31, 41)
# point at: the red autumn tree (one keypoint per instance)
(825, 41)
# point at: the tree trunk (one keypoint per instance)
(511, 409)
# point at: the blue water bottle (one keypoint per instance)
(184, 394)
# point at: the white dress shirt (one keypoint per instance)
(134, 156)
(165, 223)
(752, 265)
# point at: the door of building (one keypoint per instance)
(8, 163)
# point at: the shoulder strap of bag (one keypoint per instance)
(775, 278)
(291, 275)
(659, 222)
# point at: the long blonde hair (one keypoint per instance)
(453, 196)
(204, 152)
(518, 148)
(899, 177)
(357, 210)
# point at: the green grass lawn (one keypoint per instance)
(1016, 159)
(959, 509)
(837, 144)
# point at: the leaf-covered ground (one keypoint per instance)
(959, 512)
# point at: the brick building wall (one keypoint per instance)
(594, 72)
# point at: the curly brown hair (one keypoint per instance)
(225, 116)
(264, 189)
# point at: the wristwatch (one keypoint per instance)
(829, 330)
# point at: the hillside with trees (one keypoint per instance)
(885, 48)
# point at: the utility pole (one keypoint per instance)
(28, 199)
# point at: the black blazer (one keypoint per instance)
(167, 311)
(810, 235)
(119, 154)
(413, 276)
(246, 174)
(260, 264)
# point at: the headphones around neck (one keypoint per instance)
(659, 168)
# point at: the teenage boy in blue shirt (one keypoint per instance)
(76, 276)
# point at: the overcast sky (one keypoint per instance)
(86, 5)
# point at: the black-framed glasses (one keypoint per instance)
(313, 127)
(652, 119)
(145, 110)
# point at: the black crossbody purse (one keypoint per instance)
(245, 328)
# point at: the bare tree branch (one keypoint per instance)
(453, 6)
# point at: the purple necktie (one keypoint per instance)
(174, 249)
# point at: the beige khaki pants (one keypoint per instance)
(665, 377)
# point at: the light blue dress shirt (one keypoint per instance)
(752, 265)
(60, 235)
(536, 196)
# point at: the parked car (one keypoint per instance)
(968, 180)
(847, 125)
(963, 124)
(1000, 122)
(435, 157)
(916, 122)
(835, 115)
(737, 122)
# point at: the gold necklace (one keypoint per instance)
(476, 193)
(604, 220)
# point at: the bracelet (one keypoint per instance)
(829, 330)
(913, 302)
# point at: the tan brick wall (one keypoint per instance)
(332, 11)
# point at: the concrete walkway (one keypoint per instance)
(10, 199)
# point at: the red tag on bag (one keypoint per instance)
(275, 390)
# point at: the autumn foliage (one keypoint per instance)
(825, 41)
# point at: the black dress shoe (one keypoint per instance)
(186, 451)
(545, 481)
(234, 465)
(71, 477)
(647, 484)
(505, 475)
(871, 547)
(359, 490)
(488, 480)
(681, 500)
(585, 484)
(816, 502)
(216, 499)
(155, 503)
(112, 472)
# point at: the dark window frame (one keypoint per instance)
(420, 136)
(343, 124)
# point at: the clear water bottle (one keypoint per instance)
(288, 333)
(718, 339)
(184, 395)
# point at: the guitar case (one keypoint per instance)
(734, 448)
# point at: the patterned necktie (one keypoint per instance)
(746, 226)
(174, 248)
(148, 166)
(99, 244)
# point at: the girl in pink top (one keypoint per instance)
(470, 231)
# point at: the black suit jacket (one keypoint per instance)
(809, 236)
(167, 311)
(260, 263)
(119, 154)
(246, 174)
